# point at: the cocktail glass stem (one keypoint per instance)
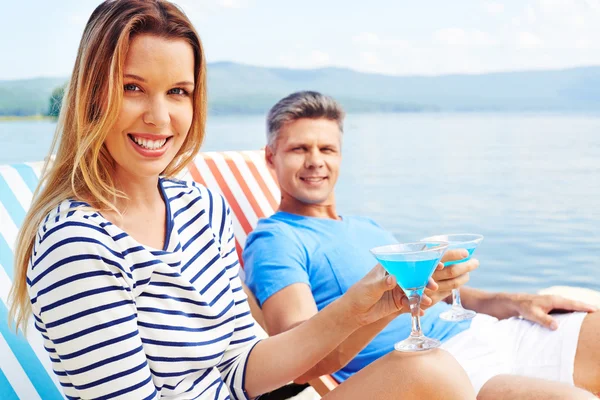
(415, 311)
(456, 298)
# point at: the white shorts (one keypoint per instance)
(517, 347)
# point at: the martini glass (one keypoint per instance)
(468, 241)
(412, 264)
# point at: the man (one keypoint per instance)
(306, 255)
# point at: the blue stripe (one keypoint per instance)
(96, 346)
(28, 176)
(87, 312)
(202, 250)
(189, 315)
(6, 391)
(130, 388)
(222, 221)
(193, 239)
(105, 361)
(187, 344)
(187, 207)
(10, 202)
(184, 226)
(32, 366)
(185, 299)
(217, 277)
(6, 258)
(183, 328)
(184, 359)
(79, 296)
(204, 375)
(92, 329)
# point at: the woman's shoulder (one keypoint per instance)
(70, 213)
(71, 220)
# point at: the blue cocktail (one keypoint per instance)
(412, 264)
(468, 241)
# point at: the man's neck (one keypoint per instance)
(323, 210)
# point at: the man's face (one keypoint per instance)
(306, 159)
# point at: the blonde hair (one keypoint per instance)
(91, 104)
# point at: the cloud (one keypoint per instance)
(197, 8)
(319, 58)
(78, 19)
(493, 7)
(232, 3)
(528, 40)
(366, 39)
(303, 59)
(462, 38)
(372, 40)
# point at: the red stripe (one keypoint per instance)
(262, 183)
(195, 173)
(235, 207)
(247, 192)
(239, 250)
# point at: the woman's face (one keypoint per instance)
(157, 109)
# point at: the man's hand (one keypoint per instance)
(452, 277)
(537, 308)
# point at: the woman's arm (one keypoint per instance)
(284, 357)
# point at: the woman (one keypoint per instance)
(132, 275)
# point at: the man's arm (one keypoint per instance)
(295, 304)
(535, 308)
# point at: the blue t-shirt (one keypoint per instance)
(329, 256)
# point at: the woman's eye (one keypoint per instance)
(130, 87)
(178, 91)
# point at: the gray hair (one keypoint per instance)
(305, 104)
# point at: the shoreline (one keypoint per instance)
(9, 118)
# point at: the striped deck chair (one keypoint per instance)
(25, 368)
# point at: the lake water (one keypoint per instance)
(530, 183)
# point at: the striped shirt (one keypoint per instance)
(123, 320)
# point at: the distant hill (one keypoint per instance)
(27, 97)
(238, 88)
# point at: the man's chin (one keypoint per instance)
(313, 200)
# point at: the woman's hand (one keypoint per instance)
(378, 295)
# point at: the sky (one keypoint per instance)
(396, 37)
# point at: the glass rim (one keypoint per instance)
(380, 250)
(476, 237)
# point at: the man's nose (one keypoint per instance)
(314, 159)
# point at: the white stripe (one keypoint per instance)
(15, 374)
(236, 189)
(18, 186)
(8, 229)
(211, 183)
(250, 180)
(258, 158)
(37, 168)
